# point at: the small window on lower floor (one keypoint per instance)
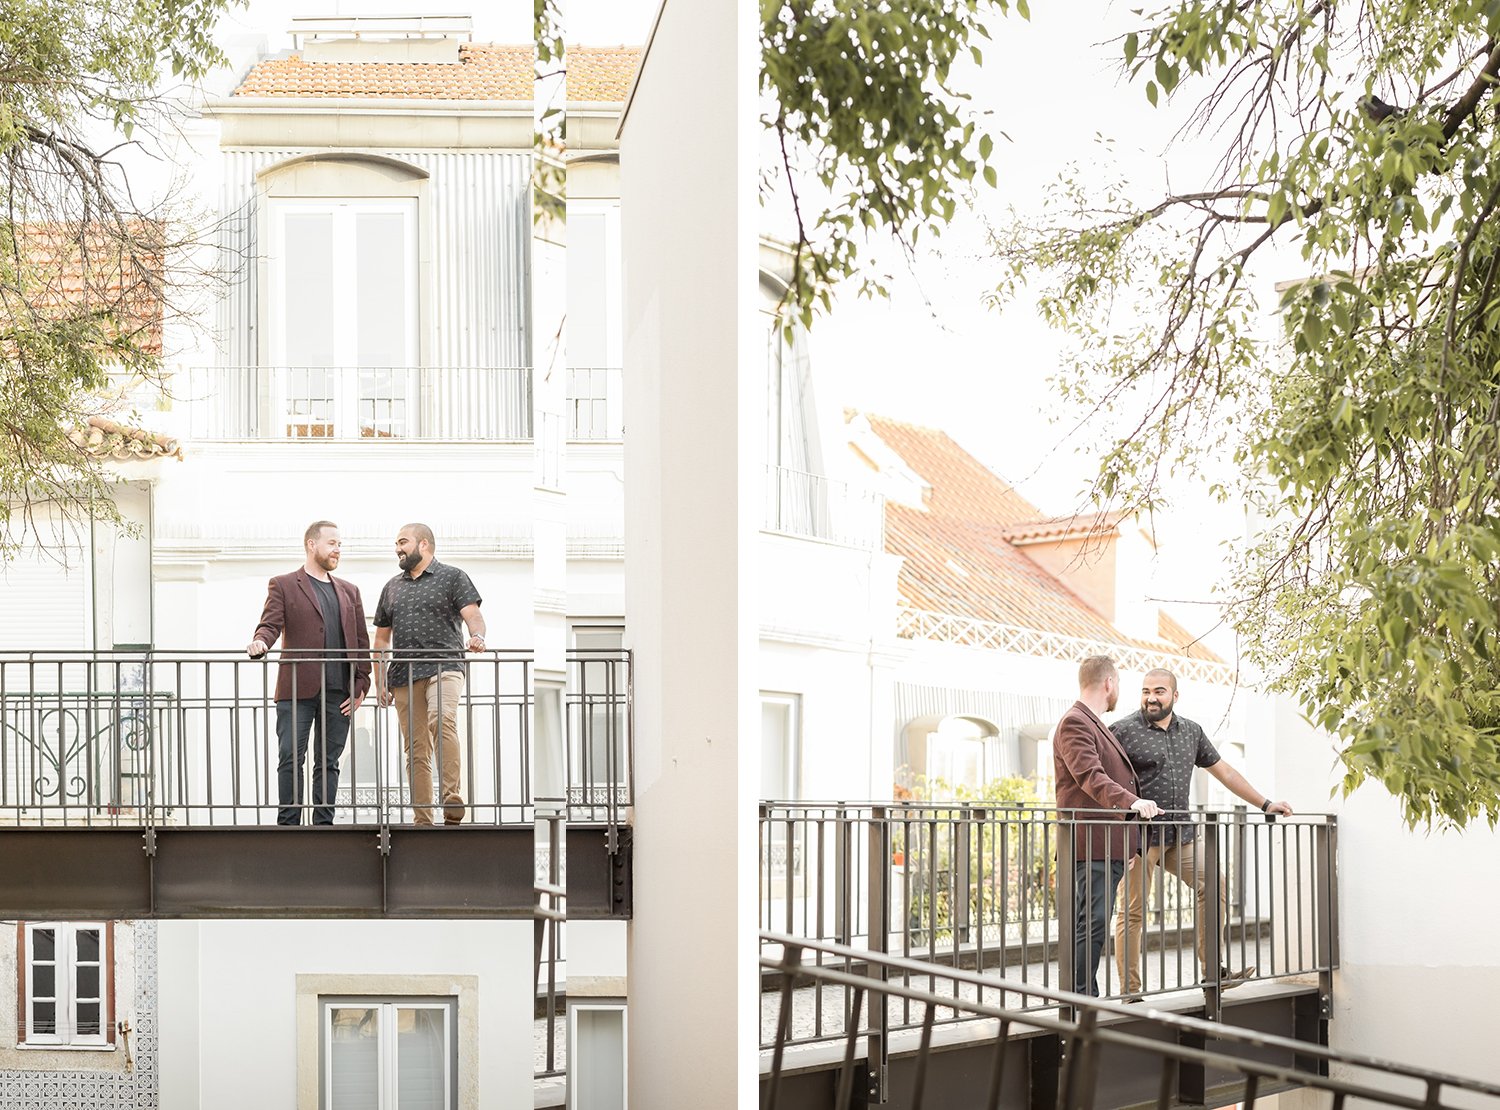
(66, 981)
(389, 1053)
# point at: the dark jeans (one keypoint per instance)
(294, 720)
(1094, 887)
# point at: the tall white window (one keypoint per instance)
(780, 747)
(595, 333)
(65, 983)
(389, 1054)
(343, 316)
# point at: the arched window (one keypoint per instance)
(953, 753)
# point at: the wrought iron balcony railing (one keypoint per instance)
(427, 403)
(190, 738)
(989, 888)
(819, 508)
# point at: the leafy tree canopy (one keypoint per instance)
(1358, 141)
(861, 102)
(83, 260)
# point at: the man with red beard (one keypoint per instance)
(321, 619)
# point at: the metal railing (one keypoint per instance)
(322, 403)
(594, 403)
(951, 628)
(819, 508)
(1254, 1060)
(191, 738)
(961, 887)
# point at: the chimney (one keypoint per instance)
(1106, 561)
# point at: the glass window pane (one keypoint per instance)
(44, 981)
(88, 1019)
(421, 1059)
(43, 944)
(44, 1017)
(308, 293)
(588, 290)
(381, 273)
(88, 945)
(354, 1058)
(88, 981)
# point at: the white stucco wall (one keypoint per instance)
(693, 359)
(229, 994)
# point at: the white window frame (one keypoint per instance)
(386, 1054)
(575, 1049)
(65, 981)
(793, 742)
(344, 325)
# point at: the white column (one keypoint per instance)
(692, 466)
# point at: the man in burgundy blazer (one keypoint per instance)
(321, 619)
(1093, 774)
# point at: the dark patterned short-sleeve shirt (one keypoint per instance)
(423, 616)
(1164, 759)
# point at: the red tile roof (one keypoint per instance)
(484, 71)
(958, 554)
(68, 275)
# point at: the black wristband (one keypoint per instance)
(1265, 805)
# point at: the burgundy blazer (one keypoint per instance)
(292, 612)
(1093, 772)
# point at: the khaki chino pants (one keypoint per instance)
(1181, 862)
(428, 712)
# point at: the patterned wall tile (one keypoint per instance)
(94, 1090)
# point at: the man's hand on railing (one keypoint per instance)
(1281, 809)
(1145, 808)
(255, 649)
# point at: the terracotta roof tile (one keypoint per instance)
(958, 554)
(484, 71)
(108, 439)
(1056, 527)
(67, 275)
(963, 488)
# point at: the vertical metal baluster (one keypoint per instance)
(1168, 1083)
(919, 1081)
(1286, 902)
(997, 1076)
(818, 892)
(1302, 879)
(791, 958)
(846, 1073)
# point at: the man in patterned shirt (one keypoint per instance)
(419, 667)
(1164, 748)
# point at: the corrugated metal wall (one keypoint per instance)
(478, 309)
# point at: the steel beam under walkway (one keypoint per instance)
(271, 872)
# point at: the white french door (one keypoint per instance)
(343, 318)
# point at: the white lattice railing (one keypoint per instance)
(948, 628)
